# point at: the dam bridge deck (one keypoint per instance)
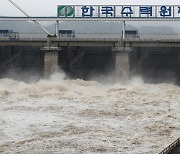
(111, 42)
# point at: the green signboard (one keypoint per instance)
(65, 11)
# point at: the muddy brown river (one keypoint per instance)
(75, 116)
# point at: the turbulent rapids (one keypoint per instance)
(75, 116)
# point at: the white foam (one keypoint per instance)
(62, 115)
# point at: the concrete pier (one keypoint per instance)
(122, 65)
(50, 63)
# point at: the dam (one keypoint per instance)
(154, 59)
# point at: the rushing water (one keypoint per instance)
(76, 116)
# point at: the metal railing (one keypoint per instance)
(95, 37)
(171, 147)
(106, 36)
(102, 35)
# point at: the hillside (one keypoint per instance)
(85, 27)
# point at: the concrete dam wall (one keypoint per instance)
(154, 64)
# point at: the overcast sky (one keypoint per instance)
(49, 7)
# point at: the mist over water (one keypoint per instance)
(60, 115)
